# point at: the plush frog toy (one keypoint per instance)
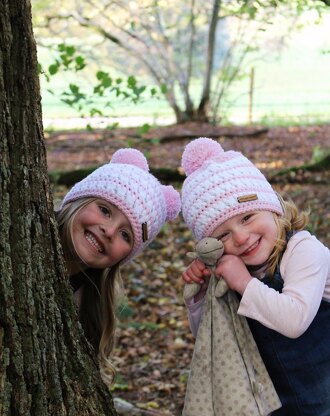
(208, 251)
(238, 383)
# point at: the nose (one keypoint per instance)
(107, 230)
(240, 237)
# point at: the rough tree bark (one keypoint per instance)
(46, 365)
(203, 108)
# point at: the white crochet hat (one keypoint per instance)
(220, 185)
(127, 183)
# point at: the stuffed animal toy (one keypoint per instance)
(208, 251)
(227, 375)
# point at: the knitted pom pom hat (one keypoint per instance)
(220, 185)
(127, 183)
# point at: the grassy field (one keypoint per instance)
(289, 85)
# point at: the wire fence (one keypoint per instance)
(269, 94)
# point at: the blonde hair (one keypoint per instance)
(100, 294)
(291, 220)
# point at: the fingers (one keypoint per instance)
(234, 272)
(196, 272)
(189, 277)
(206, 272)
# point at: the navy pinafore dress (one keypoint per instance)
(299, 368)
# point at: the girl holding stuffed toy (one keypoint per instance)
(281, 272)
(105, 221)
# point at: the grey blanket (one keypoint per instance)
(227, 374)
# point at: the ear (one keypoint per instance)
(192, 255)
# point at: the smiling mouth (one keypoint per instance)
(93, 242)
(251, 248)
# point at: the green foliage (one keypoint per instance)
(68, 60)
(105, 86)
(120, 383)
(150, 326)
(319, 154)
(252, 8)
(125, 311)
(144, 128)
(171, 48)
(184, 378)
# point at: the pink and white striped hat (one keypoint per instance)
(127, 183)
(220, 185)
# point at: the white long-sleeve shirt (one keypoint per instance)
(305, 270)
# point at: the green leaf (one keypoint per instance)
(131, 81)
(61, 47)
(70, 50)
(153, 92)
(125, 311)
(52, 69)
(163, 88)
(105, 82)
(95, 111)
(80, 63)
(100, 75)
(144, 128)
(74, 88)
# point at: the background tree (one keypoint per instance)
(178, 43)
(46, 365)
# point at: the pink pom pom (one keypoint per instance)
(173, 202)
(130, 157)
(197, 152)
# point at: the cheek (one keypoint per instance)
(77, 239)
(126, 250)
(77, 234)
(272, 235)
(121, 249)
(74, 232)
(228, 247)
(274, 231)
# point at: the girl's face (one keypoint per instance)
(251, 236)
(101, 234)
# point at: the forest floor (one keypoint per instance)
(154, 345)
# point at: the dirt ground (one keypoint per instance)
(154, 345)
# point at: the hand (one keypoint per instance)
(233, 270)
(197, 272)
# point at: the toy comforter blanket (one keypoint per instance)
(227, 375)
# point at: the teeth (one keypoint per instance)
(252, 247)
(90, 238)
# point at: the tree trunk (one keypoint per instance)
(46, 365)
(203, 108)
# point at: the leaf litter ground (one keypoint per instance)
(154, 343)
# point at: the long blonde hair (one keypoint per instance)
(292, 220)
(100, 293)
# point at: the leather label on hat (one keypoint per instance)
(144, 231)
(247, 198)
